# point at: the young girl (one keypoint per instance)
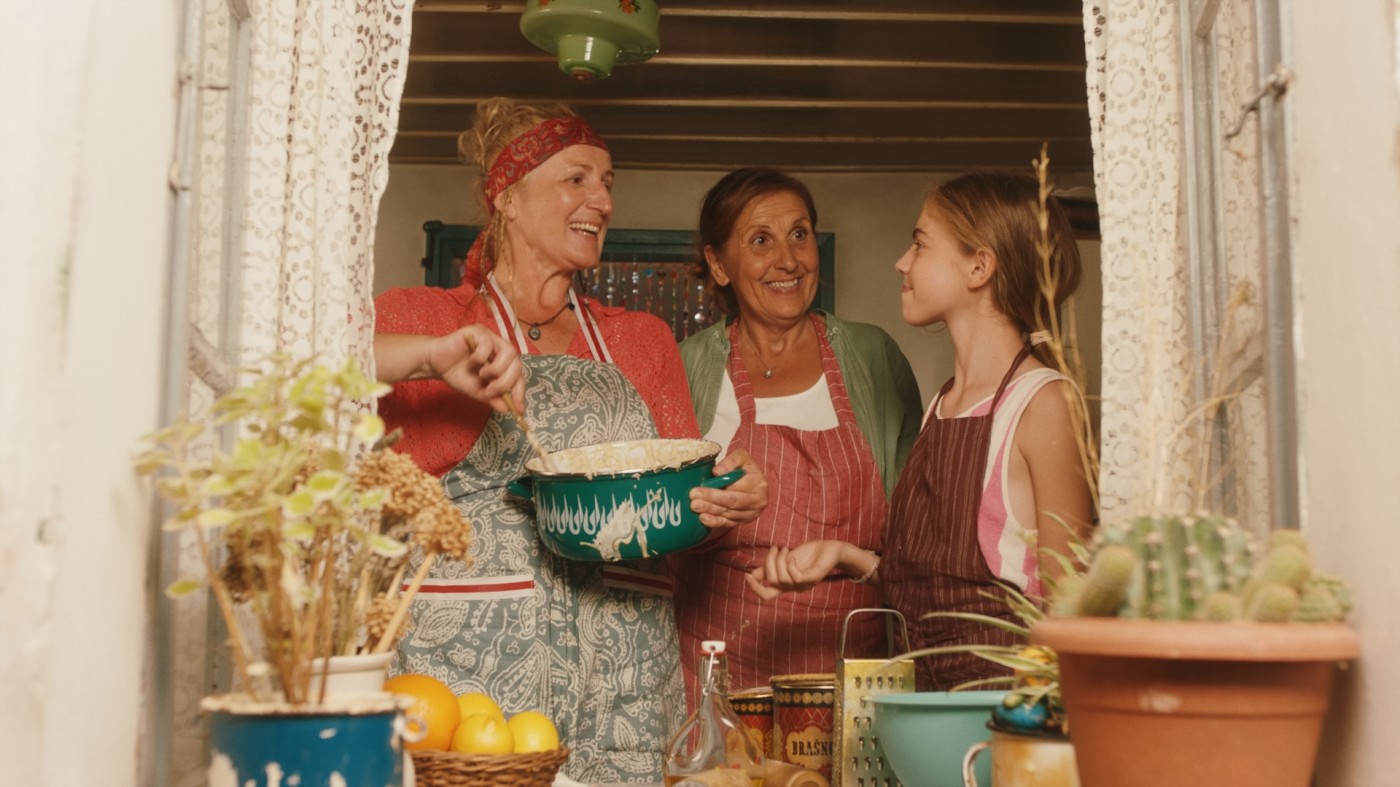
(994, 480)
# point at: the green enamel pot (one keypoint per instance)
(621, 501)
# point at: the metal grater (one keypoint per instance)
(856, 757)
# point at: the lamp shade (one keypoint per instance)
(590, 36)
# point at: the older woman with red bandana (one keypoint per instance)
(593, 645)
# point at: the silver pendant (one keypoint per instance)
(534, 333)
(768, 374)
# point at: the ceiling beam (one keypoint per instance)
(792, 139)
(1026, 13)
(760, 103)
(666, 120)
(760, 61)
(807, 85)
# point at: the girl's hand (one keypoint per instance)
(740, 502)
(788, 570)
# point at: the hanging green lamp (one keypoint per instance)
(590, 36)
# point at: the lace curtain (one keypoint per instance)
(1136, 127)
(1154, 371)
(298, 106)
(291, 177)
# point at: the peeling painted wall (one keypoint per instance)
(85, 141)
(1345, 105)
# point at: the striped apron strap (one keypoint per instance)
(508, 326)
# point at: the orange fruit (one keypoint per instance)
(476, 702)
(433, 706)
(483, 733)
(533, 731)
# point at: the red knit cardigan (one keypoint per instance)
(441, 426)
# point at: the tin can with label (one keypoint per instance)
(804, 718)
(754, 707)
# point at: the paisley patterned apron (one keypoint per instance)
(592, 645)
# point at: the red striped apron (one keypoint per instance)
(932, 560)
(821, 485)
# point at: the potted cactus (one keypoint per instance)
(1192, 653)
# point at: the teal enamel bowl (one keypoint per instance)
(621, 501)
(925, 734)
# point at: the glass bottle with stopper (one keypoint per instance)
(713, 746)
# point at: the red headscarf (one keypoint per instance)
(523, 154)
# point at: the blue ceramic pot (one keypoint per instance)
(354, 742)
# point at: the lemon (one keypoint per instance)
(475, 702)
(533, 731)
(433, 706)
(483, 733)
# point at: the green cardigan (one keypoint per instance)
(878, 378)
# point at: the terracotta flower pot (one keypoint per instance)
(1158, 703)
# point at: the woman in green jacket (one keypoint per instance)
(828, 408)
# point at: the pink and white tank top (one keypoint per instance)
(1004, 537)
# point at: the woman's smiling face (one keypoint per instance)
(560, 210)
(770, 259)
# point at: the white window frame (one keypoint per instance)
(189, 353)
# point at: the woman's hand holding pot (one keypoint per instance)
(736, 504)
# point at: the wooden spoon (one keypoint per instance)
(534, 442)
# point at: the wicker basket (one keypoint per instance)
(450, 769)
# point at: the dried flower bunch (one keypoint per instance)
(1063, 331)
(306, 519)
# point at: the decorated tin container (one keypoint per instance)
(804, 717)
(754, 707)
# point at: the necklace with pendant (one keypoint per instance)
(534, 327)
(767, 368)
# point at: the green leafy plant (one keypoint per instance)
(302, 515)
